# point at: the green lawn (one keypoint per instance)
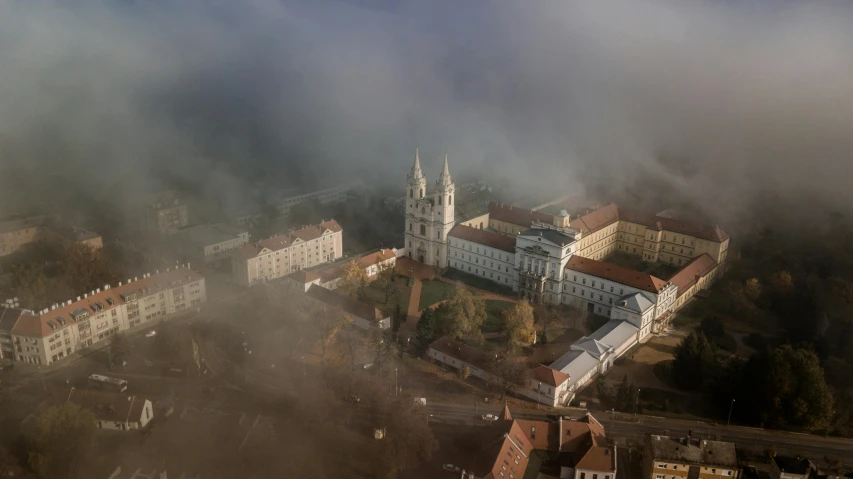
(479, 282)
(494, 315)
(375, 297)
(432, 292)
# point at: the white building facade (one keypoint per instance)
(54, 333)
(281, 255)
(429, 217)
(541, 254)
(482, 253)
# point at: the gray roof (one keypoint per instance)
(206, 235)
(792, 465)
(637, 302)
(591, 345)
(576, 364)
(8, 318)
(696, 452)
(615, 332)
(553, 236)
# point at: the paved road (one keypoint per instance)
(624, 431)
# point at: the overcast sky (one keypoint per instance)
(553, 94)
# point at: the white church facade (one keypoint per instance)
(429, 216)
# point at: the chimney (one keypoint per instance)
(135, 279)
(106, 287)
(78, 298)
(119, 283)
(167, 270)
(85, 295)
(98, 290)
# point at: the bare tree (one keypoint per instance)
(511, 374)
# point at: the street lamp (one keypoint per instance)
(730, 413)
(395, 381)
(303, 366)
(828, 425)
(637, 406)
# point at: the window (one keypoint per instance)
(584, 281)
(411, 193)
(593, 285)
(573, 289)
(423, 230)
(439, 201)
(410, 227)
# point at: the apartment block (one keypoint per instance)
(51, 334)
(668, 457)
(16, 233)
(283, 254)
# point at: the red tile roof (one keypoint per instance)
(629, 277)
(607, 215)
(285, 240)
(349, 305)
(38, 326)
(463, 352)
(692, 271)
(517, 216)
(476, 235)
(548, 376)
(596, 220)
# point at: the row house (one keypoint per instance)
(51, 334)
(328, 276)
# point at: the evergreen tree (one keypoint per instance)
(694, 362)
(426, 327)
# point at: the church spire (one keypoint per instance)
(444, 180)
(416, 174)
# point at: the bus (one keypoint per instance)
(107, 382)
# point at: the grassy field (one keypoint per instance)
(432, 292)
(479, 282)
(494, 315)
(375, 297)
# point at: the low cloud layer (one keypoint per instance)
(100, 98)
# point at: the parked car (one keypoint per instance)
(368, 365)
(420, 401)
(489, 417)
(151, 334)
(352, 398)
(451, 468)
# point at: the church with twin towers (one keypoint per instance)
(429, 215)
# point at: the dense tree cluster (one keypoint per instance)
(799, 290)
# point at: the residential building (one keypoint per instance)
(429, 217)
(790, 467)
(578, 449)
(482, 253)
(286, 200)
(8, 317)
(363, 315)
(16, 233)
(166, 213)
(547, 386)
(51, 334)
(329, 275)
(665, 457)
(286, 253)
(206, 244)
(117, 411)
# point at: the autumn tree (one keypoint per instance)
(752, 289)
(62, 441)
(86, 268)
(328, 324)
(518, 324)
(386, 279)
(511, 374)
(782, 281)
(353, 278)
(464, 372)
(550, 318)
(30, 284)
(462, 314)
(408, 441)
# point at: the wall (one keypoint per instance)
(551, 398)
(276, 264)
(458, 364)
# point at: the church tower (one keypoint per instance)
(429, 217)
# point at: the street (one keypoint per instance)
(746, 439)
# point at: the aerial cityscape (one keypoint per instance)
(400, 239)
